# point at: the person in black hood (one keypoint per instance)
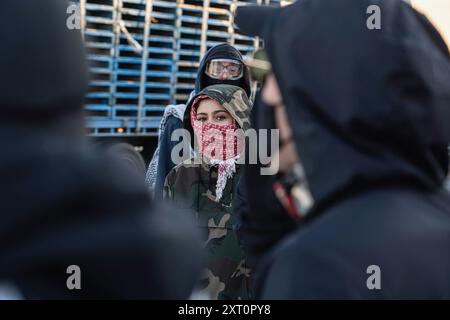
(369, 111)
(64, 205)
(216, 60)
(225, 52)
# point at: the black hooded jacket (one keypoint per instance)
(262, 219)
(63, 203)
(370, 112)
(220, 51)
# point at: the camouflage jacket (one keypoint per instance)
(192, 184)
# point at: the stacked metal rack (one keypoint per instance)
(98, 27)
(144, 55)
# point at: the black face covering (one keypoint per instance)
(211, 81)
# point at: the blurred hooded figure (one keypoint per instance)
(369, 111)
(161, 162)
(63, 205)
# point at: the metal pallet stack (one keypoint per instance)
(144, 55)
(143, 72)
(98, 27)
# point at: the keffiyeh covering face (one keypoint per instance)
(216, 141)
(221, 144)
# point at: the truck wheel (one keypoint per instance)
(128, 156)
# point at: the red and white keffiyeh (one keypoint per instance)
(221, 144)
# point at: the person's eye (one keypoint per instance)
(221, 117)
(201, 119)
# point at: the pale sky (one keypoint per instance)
(438, 11)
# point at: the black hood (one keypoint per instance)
(221, 51)
(367, 107)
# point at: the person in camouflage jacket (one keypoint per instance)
(194, 185)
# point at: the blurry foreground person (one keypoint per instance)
(369, 112)
(269, 206)
(207, 184)
(61, 204)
